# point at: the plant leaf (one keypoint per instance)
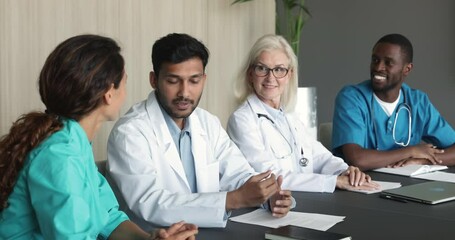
(240, 1)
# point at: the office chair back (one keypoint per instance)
(325, 134)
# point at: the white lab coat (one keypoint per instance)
(323, 167)
(144, 165)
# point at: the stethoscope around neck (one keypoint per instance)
(303, 161)
(404, 105)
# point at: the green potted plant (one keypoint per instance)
(295, 14)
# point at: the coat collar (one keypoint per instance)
(257, 107)
(165, 141)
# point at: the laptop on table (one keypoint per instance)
(432, 192)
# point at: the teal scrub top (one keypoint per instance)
(60, 194)
(355, 109)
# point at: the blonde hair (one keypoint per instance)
(243, 87)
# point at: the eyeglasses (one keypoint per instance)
(262, 71)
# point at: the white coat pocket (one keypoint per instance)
(208, 178)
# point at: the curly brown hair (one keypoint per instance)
(72, 82)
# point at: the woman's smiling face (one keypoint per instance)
(269, 88)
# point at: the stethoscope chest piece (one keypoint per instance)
(303, 162)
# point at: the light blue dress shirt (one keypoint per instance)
(60, 194)
(353, 120)
(182, 140)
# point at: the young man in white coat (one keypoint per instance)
(173, 161)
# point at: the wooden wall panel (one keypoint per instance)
(30, 30)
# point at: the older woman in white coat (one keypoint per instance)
(271, 137)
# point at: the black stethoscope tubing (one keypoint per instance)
(303, 161)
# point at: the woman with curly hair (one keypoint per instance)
(49, 184)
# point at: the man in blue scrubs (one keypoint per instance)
(383, 122)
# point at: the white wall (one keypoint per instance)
(30, 30)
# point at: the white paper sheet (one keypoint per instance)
(438, 176)
(309, 220)
(384, 186)
(411, 170)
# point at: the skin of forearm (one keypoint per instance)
(367, 159)
(232, 201)
(448, 157)
(128, 230)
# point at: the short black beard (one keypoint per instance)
(169, 111)
(384, 89)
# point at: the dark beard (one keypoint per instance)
(169, 111)
(385, 88)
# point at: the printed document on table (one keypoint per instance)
(309, 220)
(384, 186)
(438, 176)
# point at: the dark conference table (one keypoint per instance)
(367, 215)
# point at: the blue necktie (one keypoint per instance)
(187, 159)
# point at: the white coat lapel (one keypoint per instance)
(302, 143)
(165, 141)
(293, 126)
(199, 147)
(256, 105)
